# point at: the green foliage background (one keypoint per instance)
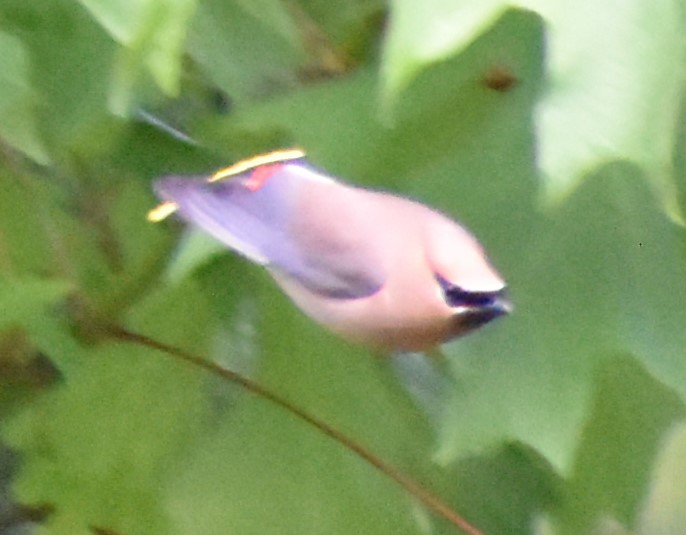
(552, 129)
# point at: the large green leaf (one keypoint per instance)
(590, 283)
(606, 71)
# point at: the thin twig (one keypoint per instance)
(413, 487)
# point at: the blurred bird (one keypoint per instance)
(373, 267)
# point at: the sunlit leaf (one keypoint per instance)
(664, 512)
(605, 74)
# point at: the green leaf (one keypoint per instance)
(194, 250)
(601, 107)
(244, 55)
(504, 491)
(103, 446)
(422, 34)
(121, 18)
(587, 282)
(152, 34)
(341, 34)
(18, 101)
(26, 301)
(264, 472)
(24, 246)
(31, 306)
(630, 413)
(69, 70)
(274, 14)
(310, 483)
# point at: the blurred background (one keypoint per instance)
(553, 130)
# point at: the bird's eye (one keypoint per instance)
(458, 297)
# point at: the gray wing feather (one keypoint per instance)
(256, 224)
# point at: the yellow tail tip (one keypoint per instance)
(161, 211)
(256, 161)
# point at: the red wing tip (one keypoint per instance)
(259, 176)
(254, 182)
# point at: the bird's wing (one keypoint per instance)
(263, 217)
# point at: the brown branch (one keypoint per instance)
(413, 487)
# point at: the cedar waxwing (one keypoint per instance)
(375, 268)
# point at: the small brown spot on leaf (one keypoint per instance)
(499, 78)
